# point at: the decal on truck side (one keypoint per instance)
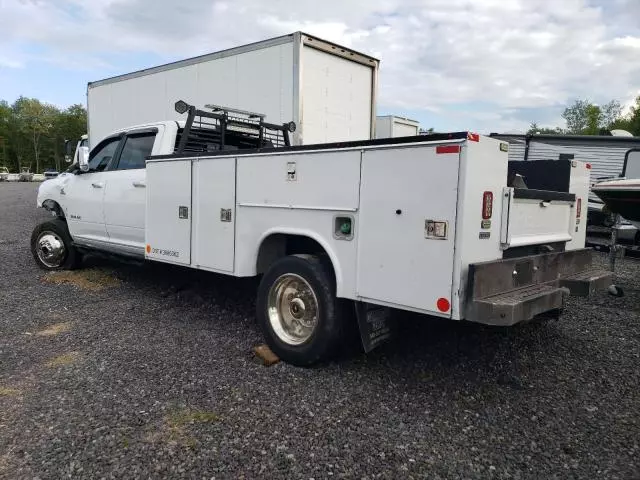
(160, 251)
(166, 253)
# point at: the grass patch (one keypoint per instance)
(184, 417)
(63, 360)
(91, 279)
(176, 424)
(9, 392)
(55, 329)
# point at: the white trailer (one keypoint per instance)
(389, 126)
(328, 90)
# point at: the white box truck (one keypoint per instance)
(328, 90)
(429, 224)
(390, 126)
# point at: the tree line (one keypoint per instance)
(32, 133)
(586, 118)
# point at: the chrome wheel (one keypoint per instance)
(50, 249)
(292, 309)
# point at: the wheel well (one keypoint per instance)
(53, 206)
(281, 245)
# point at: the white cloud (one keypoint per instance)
(8, 62)
(490, 59)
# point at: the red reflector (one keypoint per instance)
(579, 208)
(443, 305)
(448, 149)
(474, 137)
(588, 166)
(487, 205)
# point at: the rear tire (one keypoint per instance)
(52, 247)
(298, 311)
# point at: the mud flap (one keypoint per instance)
(375, 325)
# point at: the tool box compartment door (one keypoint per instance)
(214, 213)
(536, 217)
(168, 217)
(407, 226)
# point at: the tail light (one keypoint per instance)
(579, 208)
(487, 205)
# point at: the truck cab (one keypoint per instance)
(104, 206)
(102, 197)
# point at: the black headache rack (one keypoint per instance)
(224, 129)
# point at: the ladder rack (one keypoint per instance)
(225, 128)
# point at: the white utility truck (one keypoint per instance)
(428, 224)
(328, 90)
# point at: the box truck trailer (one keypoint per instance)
(389, 126)
(327, 90)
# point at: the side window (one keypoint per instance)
(102, 154)
(135, 151)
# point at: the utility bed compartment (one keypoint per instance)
(535, 217)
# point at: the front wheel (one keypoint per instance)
(52, 247)
(298, 311)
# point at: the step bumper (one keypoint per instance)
(510, 291)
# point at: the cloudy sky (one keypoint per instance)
(484, 65)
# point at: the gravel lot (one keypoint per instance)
(148, 371)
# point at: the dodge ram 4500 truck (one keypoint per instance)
(428, 224)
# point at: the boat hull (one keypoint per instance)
(622, 200)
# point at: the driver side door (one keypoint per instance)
(84, 195)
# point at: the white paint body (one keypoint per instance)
(326, 89)
(388, 126)
(388, 191)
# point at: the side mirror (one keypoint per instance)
(68, 151)
(83, 158)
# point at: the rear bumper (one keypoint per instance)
(510, 291)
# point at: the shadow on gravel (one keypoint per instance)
(424, 348)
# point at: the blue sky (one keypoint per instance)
(485, 65)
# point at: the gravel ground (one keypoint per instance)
(148, 371)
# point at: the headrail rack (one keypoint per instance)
(225, 128)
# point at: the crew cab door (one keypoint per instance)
(84, 194)
(125, 195)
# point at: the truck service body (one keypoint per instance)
(427, 224)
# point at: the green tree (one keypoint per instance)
(586, 118)
(5, 118)
(69, 125)
(32, 133)
(631, 121)
(634, 118)
(36, 119)
(535, 129)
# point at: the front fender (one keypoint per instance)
(50, 191)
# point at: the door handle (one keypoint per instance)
(97, 185)
(139, 184)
